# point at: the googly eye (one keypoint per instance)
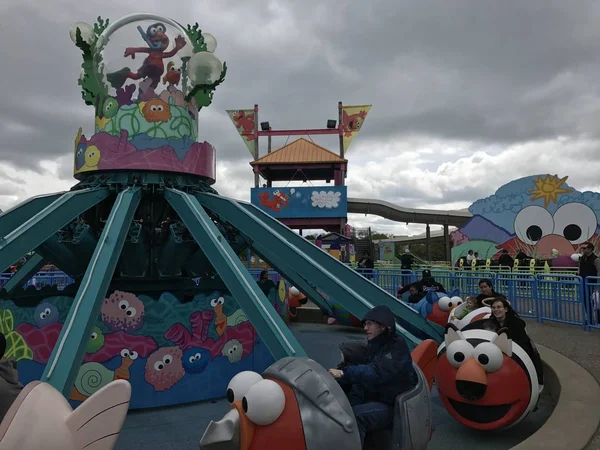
(213, 302)
(94, 335)
(124, 353)
(123, 304)
(458, 352)
(159, 365)
(264, 402)
(167, 359)
(239, 385)
(159, 108)
(221, 300)
(47, 311)
(294, 291)
(133, 355)
(131, 311)
(445, 303)
(489, 356)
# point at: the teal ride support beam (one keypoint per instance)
(21, 213)
(47, 222)
(354, 292)
(60, 256)
(294, 277)
(25, 272)
(270, 327)
(67, 356)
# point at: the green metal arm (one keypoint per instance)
(270, 327)
(66, 358)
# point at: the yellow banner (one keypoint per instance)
(353, 119)
(244, 121)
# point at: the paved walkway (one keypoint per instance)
(574, 343)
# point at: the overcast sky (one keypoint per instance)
(467, 95)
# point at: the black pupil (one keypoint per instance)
(534, 233)
(123, 307)
(483, 359)
(245, 404)
(450, 304)
(128, 313)
(230, 395)
(459, 357)
(572, 232)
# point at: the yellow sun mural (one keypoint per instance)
(549, 188)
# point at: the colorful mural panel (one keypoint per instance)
(540, 216)
(146, 114)
(171, 352)
(301, 202)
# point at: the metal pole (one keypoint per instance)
(269, 142)
(256, 178)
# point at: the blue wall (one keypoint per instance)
(302, 202)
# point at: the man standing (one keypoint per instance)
(589, 266)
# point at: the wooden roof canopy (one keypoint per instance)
(300, 156)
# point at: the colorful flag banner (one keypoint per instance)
(353, 118)
(245, 123)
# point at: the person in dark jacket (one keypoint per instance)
(384, 372)
(506, 317)
(10, 388)
(426, 284)
(265, 283)
(505, 260)
(487, 291)
(415, 296)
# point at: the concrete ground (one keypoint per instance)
(574, 343)
(181, 427)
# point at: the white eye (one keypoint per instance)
(213, 302)
(42, 315)
(172, 69)
(264, 402)
(160, 28)
(159, 107)
(197, 356)
(159, 365)
(153, 108)
(576, 222)
(220, 301)
(455, 301)
(133, 355)
(124, 353)
(239, 385)
(533, 223)
(47, 311)
(167, 359)
(179, 69)
(192, 359)
(123, 304)
(294, 291)
(131, 311)
(276, 192)
(458, 352)
(445, 303)
(152, 31)
(94, 335)
(489, 356)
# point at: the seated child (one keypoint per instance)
(470, 306)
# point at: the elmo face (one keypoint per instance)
(442, 308)
(264, 415)
(484, 380)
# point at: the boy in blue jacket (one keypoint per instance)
(387, 373)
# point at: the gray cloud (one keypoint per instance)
(455, 76)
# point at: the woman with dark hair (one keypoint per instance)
(265, 283)
(487, 291)
(506, 317)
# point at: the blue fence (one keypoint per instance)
(551, 297)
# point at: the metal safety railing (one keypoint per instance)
(556, 297)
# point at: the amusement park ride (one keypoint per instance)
(144, 215)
